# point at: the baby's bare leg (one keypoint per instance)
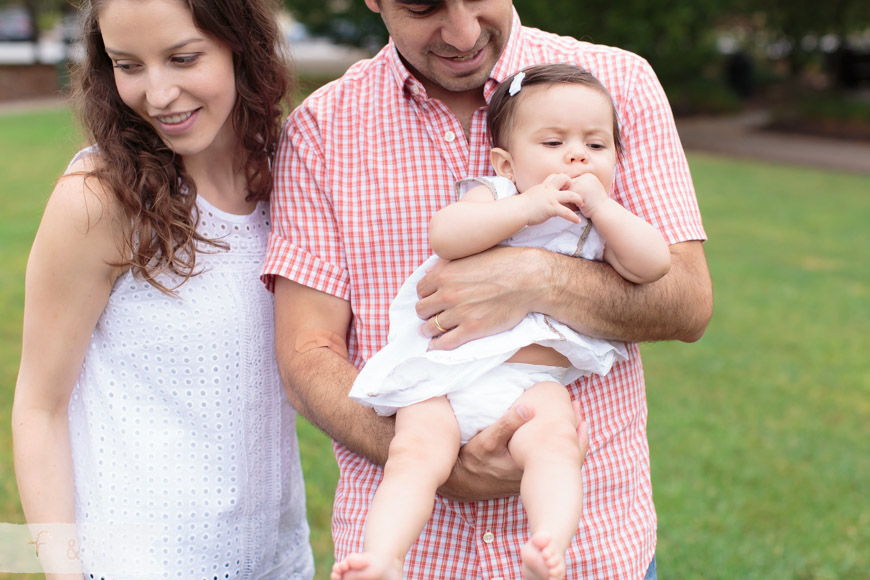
(422, 454)
(548, 450)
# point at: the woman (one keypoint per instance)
(148, 408)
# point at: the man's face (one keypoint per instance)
(448, 44)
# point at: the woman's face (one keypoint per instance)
(176, 77)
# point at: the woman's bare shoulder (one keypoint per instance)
(83, 198)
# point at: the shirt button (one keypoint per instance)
(449, 136)
(488, 537)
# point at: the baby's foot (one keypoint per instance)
(540, 562)
(366, 566)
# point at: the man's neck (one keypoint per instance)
(462, 104)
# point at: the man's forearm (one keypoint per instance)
(592, 298)
(317, 383)
(310, 327)
(318, 378)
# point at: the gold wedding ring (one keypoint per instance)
(438, 325)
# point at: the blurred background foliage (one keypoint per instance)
(712, 56)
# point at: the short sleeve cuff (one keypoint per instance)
(289, 261)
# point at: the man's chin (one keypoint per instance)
(459, 82)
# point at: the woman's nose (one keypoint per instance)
(161, 90)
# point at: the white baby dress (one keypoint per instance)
(404, 372)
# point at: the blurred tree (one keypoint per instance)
(345, 21)
(674, 37)
(36, 9)
(678, 38)
(791, 22)
(39, 8)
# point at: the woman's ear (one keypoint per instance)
(502, 162)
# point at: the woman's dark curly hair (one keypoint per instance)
(156, 195)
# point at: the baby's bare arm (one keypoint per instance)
(635, 249)
(475, 223)
(478, 222)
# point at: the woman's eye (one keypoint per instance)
(185, 59)
(124, 66)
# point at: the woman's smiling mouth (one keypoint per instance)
(174, 119)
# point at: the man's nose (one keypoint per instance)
(461, 28)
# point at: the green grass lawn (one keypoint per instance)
(759, 432)
(34, 149)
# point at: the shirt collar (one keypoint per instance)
(400, 73)
(509, 63)
(511, 59)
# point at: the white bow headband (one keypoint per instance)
(516, 84)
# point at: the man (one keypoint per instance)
(363, 165)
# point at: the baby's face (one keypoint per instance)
(563, 128)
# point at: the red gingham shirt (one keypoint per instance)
(363, 164)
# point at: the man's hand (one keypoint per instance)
(490, 292)
(582, 428)
(477, 296)
(485, 469)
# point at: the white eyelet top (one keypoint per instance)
(184, 444)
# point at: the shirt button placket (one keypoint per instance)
(488, 538)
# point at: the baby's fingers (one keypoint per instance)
(558, 181)
(566, 212)
(569, 196)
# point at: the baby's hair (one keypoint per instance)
(502, 107)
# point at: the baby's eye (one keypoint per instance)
(597, 146)
(553, 143)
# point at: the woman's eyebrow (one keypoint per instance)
(176, 46)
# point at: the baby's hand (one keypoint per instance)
(552, 198)
(591, 191)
